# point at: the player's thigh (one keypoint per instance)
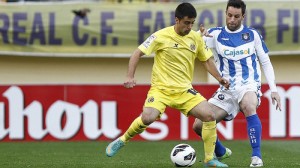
(187, 101)
(249, 103)
(220, 113)
(203, 111)
(155, 105)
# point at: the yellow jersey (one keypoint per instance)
(174, 58)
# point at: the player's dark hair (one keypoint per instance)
(237, 4)
(185, 9)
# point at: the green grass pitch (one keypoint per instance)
(136, 154)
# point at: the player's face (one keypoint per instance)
(234, 18)
(184, 26)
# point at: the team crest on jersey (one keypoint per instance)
(150, 99)
(149, 40)
(246, 36)
(193, 47)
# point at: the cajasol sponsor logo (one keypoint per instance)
(234, 52)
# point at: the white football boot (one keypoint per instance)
(256, 162)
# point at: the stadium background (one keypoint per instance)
(35, 68)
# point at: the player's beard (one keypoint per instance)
(186, 32)
(233, 27)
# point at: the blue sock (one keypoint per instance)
(219, 149)
(254, 134)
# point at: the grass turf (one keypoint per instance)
(136, 154)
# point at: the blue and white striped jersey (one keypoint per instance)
(237, 55)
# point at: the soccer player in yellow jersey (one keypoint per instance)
(176, 48)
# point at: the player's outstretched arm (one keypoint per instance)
(270, 76)
(130, 82)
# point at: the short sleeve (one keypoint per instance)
(150, 45)
(204, 53)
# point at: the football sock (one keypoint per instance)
(220, 150)
(209, 136)
(254, 134)
(136, 127)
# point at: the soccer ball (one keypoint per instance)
(183, 155)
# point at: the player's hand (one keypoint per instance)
(204, 31)
(224, 82)
(129, 83)
(275, 97)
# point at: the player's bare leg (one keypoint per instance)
(137, 126)
(248, 106)
(204, 113)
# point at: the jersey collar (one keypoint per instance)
(238, 30)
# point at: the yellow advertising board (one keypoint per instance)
(117, 29)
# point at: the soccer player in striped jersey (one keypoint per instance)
(176, 48)
(239, 51)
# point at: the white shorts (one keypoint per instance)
(229, 99)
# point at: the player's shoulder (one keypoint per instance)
(160, 34)
(194, 33)
(215, 29)
(250, 28)
(163, 31)
(253, 30)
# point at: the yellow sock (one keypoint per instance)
(136, 127)
(209, 136)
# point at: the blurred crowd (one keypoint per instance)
(112, 1)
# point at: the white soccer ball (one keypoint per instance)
(183, 155)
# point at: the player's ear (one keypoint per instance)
(177, 20)
(244, 16)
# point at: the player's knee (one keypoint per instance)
(149, 115)
(209, 117)
(248, 110)
(148, 119)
